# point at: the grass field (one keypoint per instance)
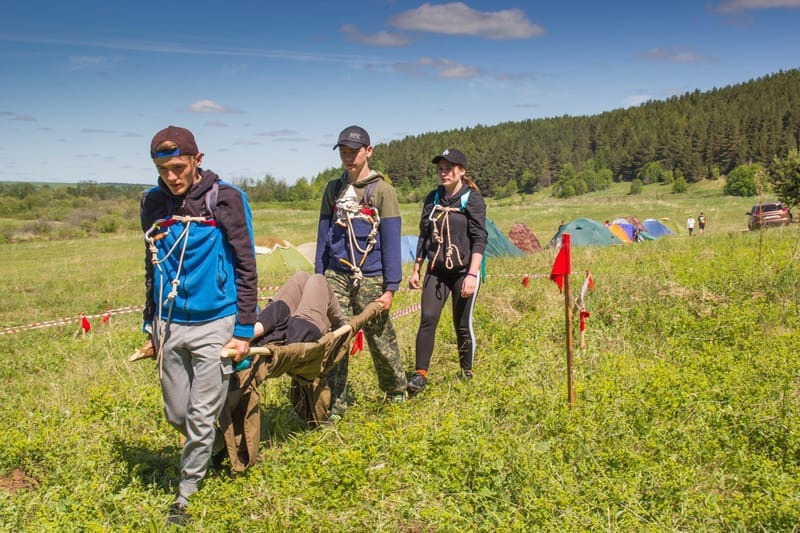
(686, 416)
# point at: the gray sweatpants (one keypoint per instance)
(194, 384)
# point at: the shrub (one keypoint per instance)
(742, 181)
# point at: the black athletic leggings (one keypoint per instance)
(435, 290)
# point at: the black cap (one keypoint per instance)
(353, 137)
(452, 156)
(182, 137)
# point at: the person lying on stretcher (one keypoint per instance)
(302, 310)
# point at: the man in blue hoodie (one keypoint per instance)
(202, 294)
(358, 250)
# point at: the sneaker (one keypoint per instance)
(332, 419)
(466, 375)
(395, 397)
(178, 516)
(417, 383)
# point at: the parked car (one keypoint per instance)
(768, 214)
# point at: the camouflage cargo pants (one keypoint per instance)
(379, 334)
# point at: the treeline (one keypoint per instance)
(695, 136)
(45, 211)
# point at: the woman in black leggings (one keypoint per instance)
(452, 236)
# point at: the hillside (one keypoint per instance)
(691, 133)
(687, 414)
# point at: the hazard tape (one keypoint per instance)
(270, 288)
(104, 317)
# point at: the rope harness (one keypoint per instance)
(347, 209)
(154, 234)
(444, 216)
(436, 235)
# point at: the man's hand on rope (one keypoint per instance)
(242, 347)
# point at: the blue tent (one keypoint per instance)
(408, 248)
(655, 228)
(628, 228)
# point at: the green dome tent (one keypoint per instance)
(585, 232)
(498, 245)
(278, 259)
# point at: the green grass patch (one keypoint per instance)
(687, 412)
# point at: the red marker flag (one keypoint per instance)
(85, 325)
(563, 264)
(526, 281)
(358, 343)
(106, 317)
(583, 316)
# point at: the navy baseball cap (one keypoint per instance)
(353, 137)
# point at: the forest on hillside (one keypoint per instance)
(691, 134)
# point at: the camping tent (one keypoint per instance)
(585, 232)
(308, 249)
(498, 244)
(408, 246)
(655, 228)
(621, 232)
(276, 257)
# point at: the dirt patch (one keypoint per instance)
(17, 480)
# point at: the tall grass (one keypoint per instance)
(686, 415)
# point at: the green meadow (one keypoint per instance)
(687, 411)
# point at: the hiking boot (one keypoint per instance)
(395, 397)
(466, 375)
(416, 384)
(178, 516)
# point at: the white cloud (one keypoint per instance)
(25, 118)
(458, 18)
(382, 38)
(674, 55)
(438, 68)
(737, 6)
(210, 106)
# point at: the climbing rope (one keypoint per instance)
(437, 236)
(151, 236)
(347, 210)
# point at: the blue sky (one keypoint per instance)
(267, 86)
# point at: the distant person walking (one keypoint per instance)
(359, 251)
(690, 225)
(701, 223)
(202, 295)
(452, 237)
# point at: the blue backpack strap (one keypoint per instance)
(464, 198)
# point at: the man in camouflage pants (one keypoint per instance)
(358, 250)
